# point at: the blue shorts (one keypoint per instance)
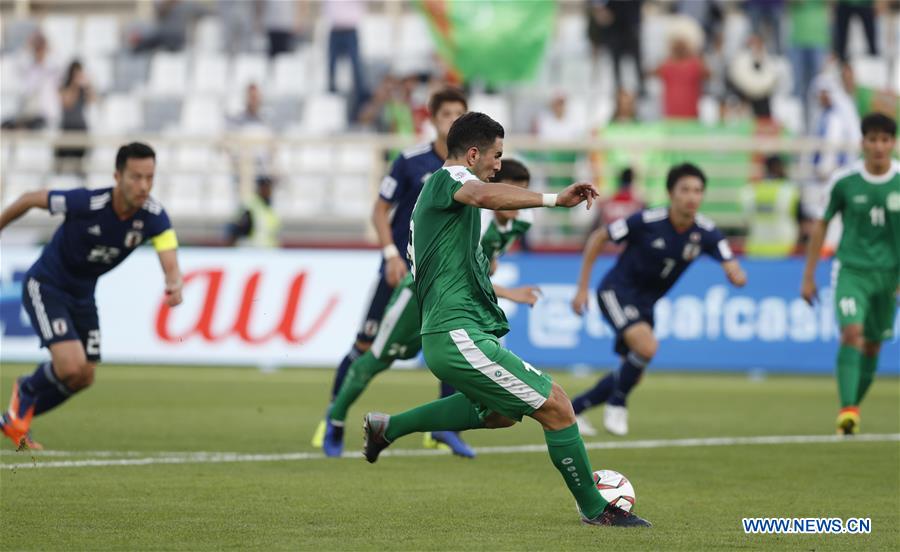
(58, 316)
(623, 308)
(380, 298)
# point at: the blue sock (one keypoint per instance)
(446, 390)
(341, 371)
(41, 389)
(629, 374)
(597, 395)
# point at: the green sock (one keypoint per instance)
(868, 365)
(359, 374)
(453, 413)
(570, 457)
(848, 374)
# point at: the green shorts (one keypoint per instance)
(492, 377)
(868, 298)
(398, 335)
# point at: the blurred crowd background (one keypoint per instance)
(303, 104)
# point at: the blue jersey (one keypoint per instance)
(92, 240)
(402, 186)
(656, 254)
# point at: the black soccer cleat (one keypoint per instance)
(617, 517)
(375, 424)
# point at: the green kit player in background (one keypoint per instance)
(462, 323)
(866, 272)
(398, 337)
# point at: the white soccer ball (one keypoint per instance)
(615, 488)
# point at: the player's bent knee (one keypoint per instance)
(852, 335)
(871, 348)
(498, 421)
(363, 346)
(556, 413)
(647, 349)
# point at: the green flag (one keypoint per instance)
(494, 41)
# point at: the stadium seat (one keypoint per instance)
(208, 36)
(355, 159)
(96, 180)
(161, 114)
(571, 36)
(246, 69)
(62, 36)
(209, 73)
(300, 196)
(221, 194)
(64, 181)
(284, 111)
(168, 74)
(129, 71)
(494, 105)
(315, 159)
(788, 111)
(784, 83)
(182, 194)
(100, 35)
(324, 114)
(202, 116)
(871, 72)
(34, 155)
(289, 74)
(120, 113)
(708, 109)
(376, 37)
(9, 81)
(575, 73)
(192, 157)
(16, 32)
(17, 183)
(351, 197)
(99, 70)
(101, 159)
(414, 37)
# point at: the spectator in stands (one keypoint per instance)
(238, 19)
(76, 93)
(257, 225)
(753, 75)
(623, 203)
(707, 13)
(173, 17)
(620, 22)
(683, 74)
(253, 113)
(843, 13)
(557, 123)
(38, 75)
(254, 122)
(343, 18)
(391, 107)
(626, 107)
(768, 14)
(808, 46)
(286, 23)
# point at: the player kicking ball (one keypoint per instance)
(660, 244)
(462, 323)
(101, 228)
(398, 337)
(866, 273)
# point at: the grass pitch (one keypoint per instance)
(136, 464)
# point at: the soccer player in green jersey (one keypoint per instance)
(398, 337)
(866, 272)
(462, 323)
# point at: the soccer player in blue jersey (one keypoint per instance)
(390, 216)
(101, 228)
(660, 245)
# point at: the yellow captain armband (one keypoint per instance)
(165, 241)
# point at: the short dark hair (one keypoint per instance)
(446, 95)
(878, 122)
(473, 129)
(134, 150)
(512, 171)
(678, 172)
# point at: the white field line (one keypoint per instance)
(137, 458)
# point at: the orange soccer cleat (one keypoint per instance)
(16, 426)
(848, 421)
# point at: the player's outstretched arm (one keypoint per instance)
(19, 207)
(735, 273)
(592, 248)
(526, 295)
(499, 196)
(168, 259)
(394, 266)
(816, 239)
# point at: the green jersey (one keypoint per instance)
(870, 209)
(496, 239)
(450, 269)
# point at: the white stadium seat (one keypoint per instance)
(182, 194)
(209, 73)
(168, 74)
(61, 32)
(324, 114)
(871, 71)
(202, 116)
(208, 36)
(64, 181)
(9, 79)
(17, 183)
(99, 70)
(289, 74)
(300, 196)
(100, 35)
(493, 105)
(376, 37)
(788, 111)
(221, 196)
(192, 157)
(355, 159)
(120, 113)
(246, 69)
(414, 37)
(351, 197)
(33, 155)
